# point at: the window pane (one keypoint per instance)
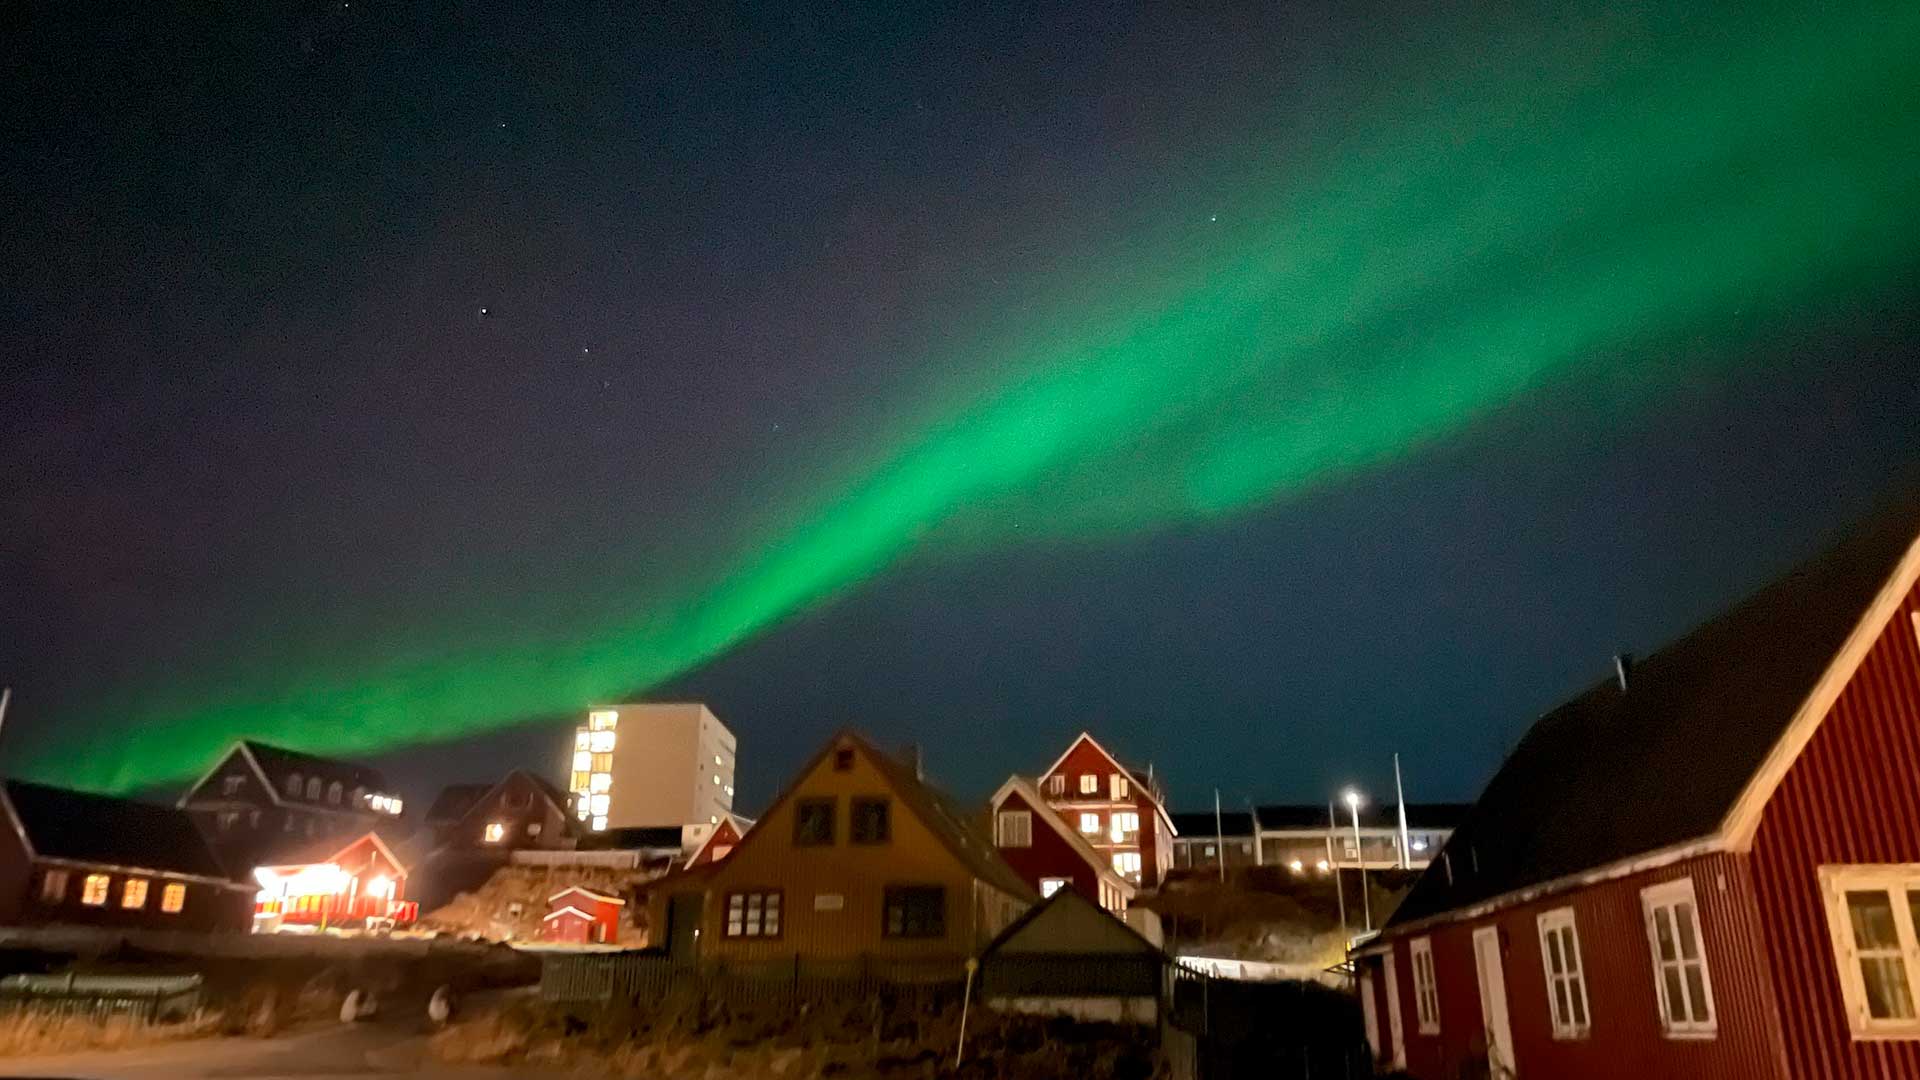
(1570, 950)
(1697, 992)
(1872, 916)
(1888, 996)
(1579, 1005)
(1676, 998)
(1562, 1008)
(1663, 932)
(1683, 922)
(1555, 965)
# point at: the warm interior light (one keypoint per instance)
(600, 824)
(602, 742)
(600, 782)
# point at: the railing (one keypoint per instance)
(616, 860)
(147, 998)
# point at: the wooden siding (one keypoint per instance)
(1085, 758)
(1852, 796)
(1626, 1038)
(1050, 855)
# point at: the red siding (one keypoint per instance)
(1626, 1038)
(1086, 758)
(1853, 796)
(1050, 855)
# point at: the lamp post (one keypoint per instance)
(1354, 800)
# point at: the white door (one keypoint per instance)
(1394, 1034)
(1367, 1014)
(1493, 1002)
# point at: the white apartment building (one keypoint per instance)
(652, 765)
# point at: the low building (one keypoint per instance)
(1311, 840)
(258, 797)
(1705, 865)
(1121, 811)
(76, 858)
(520, 810)
(1048, 853)
(1206, 840)
(579, 916)
(859, 860)
(1068, 956)
(352, 882)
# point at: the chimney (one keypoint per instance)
(1622, 668)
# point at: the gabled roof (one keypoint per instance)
(1081, 927)
(454, 801)
(1142, 781)
(1310, 817)
(948, 822)
(732, 825)
(81, 827)
(1685, 757)
(584, 891)
(568, 910)
(1030, 793)
(328, 848)
(273, 764)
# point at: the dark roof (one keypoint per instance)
(1202, 826)
(1612, 775)
(408, 848)
(278, 761)
(65, 824)
(630, 839)
(1112, 935)
(947, 820)
(1310, 817)
(454, 801)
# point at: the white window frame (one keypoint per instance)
(1126, 863)
(1122, 822)
(1118, 785)
(1090, 824)
(1426, 986)
(1668, 896)
(1560, 922)
(1056, 784)
(1013, 829)
(1896, 879)
(1089, 784)
(1051, 885)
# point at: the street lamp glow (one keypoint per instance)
(1353, 798)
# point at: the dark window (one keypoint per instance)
(53, 886)
(871, 821)
(228, 819)
(812, 822)
(230, 786)
(843, 759)
(753, 914)
(915, 911)
(293, 785)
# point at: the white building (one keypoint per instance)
(652, 765)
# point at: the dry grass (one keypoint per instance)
(30, 1032)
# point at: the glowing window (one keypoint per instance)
(1089, 784)
(1126, 824)
(1126, 863)
(496, 832)
(135, 894)
(580, 740)
(1090, 824)
(601, 742)
(53, 886)
(173, 898)
(600, 803)
(603, 720)
(94, 891)
(600, 781)
(582, 761)
(753, 915)
(1051, 885)
(600, 824)
(1119, 786)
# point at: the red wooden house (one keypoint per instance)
(1048, 853)
(1117, 809)
(579, 916)
(720, 842)
(356, 882)
(1706, 866)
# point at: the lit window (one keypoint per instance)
(1090, 824)
(53, 886)
(600, 824)
(1426, 988)
(603, 763)
(1296, 866)
(1566, 982)
(1013, 829)
(753, 915)
(716, 779)
(1089, 784)
(1679, 960)
(603, 720)
(1209, 851)
(1051, 885)
(1321, 865)
(1127, 863)
(1126, 824)
(578, 782)
(729, 790)
(600, 803)
(720, 851)
(716, 759)
(600, 781)
(93, 891)
(1872, 912)
(173, 898)
(1119, 786)
(135, 893)
(581, 740)
(496, 832)
(601, 742)
(582, 761)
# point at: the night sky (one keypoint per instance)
(1267, 388)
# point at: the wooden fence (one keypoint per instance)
(652, 976)
(147, 998)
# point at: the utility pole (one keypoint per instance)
(1400, 795)
(1219, 836)
(1339, 890)
(1360, 856)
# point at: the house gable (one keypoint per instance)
(1068, 922)
(1056, 850)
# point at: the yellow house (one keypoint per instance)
(858, 860)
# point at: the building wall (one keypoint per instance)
(242, 821)
(1154, 846)
(1050, 856)
(207, 907)
(817, 925)
(1626, 1038)
(1853, 796)
(527, 817)
(664, 770)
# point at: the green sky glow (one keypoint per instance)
(1468, 236)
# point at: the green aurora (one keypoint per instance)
(1516, 214)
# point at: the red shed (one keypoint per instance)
(579, 916)
(1707, 866)
(1050, 854)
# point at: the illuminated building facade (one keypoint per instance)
(651, 765)
(360, 883)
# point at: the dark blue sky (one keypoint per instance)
(249, 401)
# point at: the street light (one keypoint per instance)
(1354, 799)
